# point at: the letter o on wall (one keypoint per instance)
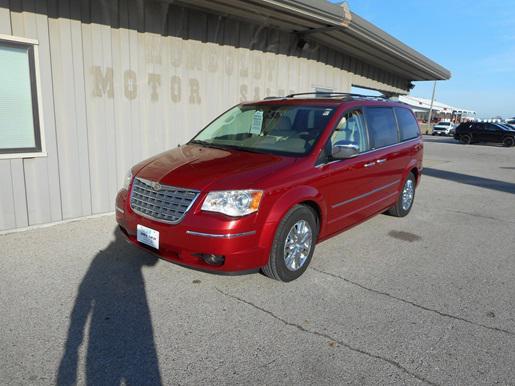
(194, 92)
(130, 84)
(175, 89)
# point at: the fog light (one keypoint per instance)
(211, 259)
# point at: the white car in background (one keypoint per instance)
(443, 128)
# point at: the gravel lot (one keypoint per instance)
(425, 299)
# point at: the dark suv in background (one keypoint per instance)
(472, 132)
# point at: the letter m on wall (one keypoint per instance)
(102, 81)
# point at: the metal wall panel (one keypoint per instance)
(69, 103)
(123, 80)
(12, 212)
(96, 45)
(41, 175)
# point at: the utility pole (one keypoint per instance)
(431, 108)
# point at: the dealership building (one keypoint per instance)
(89, 88)
(439, 111)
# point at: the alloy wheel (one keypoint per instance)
(407, 194)
(298, 245)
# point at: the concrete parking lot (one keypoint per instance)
(426, 299)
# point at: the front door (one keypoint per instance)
(480, 132)
(347, 183)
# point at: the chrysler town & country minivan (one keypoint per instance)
(264, 182)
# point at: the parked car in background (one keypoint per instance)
(473, 132)
(443, 128)
(511, 122)
(266, 181)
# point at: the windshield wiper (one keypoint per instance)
(208, 144)
(249, 150)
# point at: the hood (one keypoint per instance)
(201, 168)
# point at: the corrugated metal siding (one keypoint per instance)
(122, 80)
(12, 190)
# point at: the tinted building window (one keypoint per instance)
(382, 126)
(19, 120)
(407, 124)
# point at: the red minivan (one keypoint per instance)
(264, 182)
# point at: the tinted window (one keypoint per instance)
(382, 127)
(351, 129)
(407, 124)
(19, 120)
(503, 127)
(464, 126)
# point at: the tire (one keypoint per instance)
(400, 209)
(508, 141)
(277, 267)
(466, 139)
(433, 134)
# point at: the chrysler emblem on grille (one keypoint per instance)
(156, 185)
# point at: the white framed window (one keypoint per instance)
(21, 123)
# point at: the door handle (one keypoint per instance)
(370, 164)
(381, 161)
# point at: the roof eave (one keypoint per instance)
(385, 42)
(371, 44)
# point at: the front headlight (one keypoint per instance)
(233, 202)
(127, 180)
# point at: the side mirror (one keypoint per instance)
(344, 150)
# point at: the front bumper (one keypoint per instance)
(242, 243)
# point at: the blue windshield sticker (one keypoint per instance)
(257, 123)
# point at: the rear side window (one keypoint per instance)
(382, 127)
(407, 124)
(464, 127)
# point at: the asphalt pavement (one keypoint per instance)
(426, 299)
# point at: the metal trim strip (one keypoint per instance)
(364, 207)
(341, 203)
(221, 236)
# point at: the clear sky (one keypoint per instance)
(474, 39)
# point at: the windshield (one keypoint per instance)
(444, 124)
(282, 129)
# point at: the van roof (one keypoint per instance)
(329, 99)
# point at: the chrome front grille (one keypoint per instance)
(162, 203)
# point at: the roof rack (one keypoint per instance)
(343, 95)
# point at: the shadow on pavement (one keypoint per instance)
(452, 141)
(481, 182)
(439, 139)
(120, 341)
